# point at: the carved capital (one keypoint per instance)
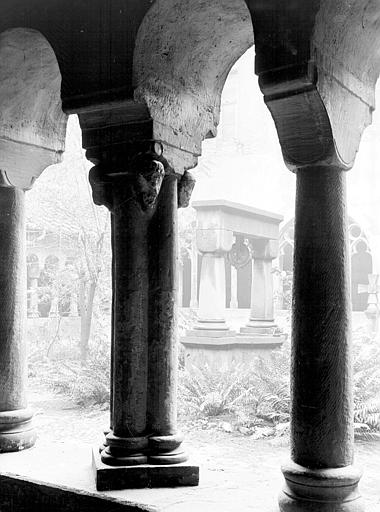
(133, 171)
(186, 186)
(264, 249)
(216, 240)
(149, 174)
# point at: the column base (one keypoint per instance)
(16, 430)
(124, 451)
(110, 478)
(320, 490)
(211, 325)
(259, 327)
(166, 450)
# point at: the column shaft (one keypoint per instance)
(261, 319)
(262, 290)
(163, 344)
(127, 441)
(321, 476)
(322, 413)
(16, 431)
(212, 290)
(234, 289)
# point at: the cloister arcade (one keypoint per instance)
(145, 78)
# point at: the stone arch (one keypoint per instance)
(32, 123)
(345, 48)
(182, 88)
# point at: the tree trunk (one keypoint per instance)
(86, 309)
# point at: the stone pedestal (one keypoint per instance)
(261, 320)
(321, 476)
(16, 430)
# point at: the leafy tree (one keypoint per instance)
(61, 201)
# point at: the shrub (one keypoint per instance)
(254, 395)
(259, 394)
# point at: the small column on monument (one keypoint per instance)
(234, 290)
(261, 320)
(16, 430)
(213, 244)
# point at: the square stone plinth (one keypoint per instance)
(112, 478)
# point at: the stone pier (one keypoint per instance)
(16, 429)
(142, 448)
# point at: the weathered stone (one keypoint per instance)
(146, 475)
(16, 430)
(20, 494)
(322, 397)
(261, 318)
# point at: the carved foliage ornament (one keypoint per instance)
(139, 175)
(185, 188)
(239, 254)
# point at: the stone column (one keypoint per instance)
(213, 244)
(130, 195)
(321, 476)
(16, 430)
(234, 289)
(165, 440)
(261, 320)
(141, 194)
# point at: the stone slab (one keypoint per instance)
(210, 333)
(263, 331)
(108, 478)
(21, 494)
(238, 340)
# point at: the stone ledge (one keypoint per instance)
(210, 333)
(20, 494)
(109, 478)
(234, 341)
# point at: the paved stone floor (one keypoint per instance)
(236, 472)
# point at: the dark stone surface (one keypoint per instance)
(132, 477)
(322, 397)
(16, 430)
(25, 495)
